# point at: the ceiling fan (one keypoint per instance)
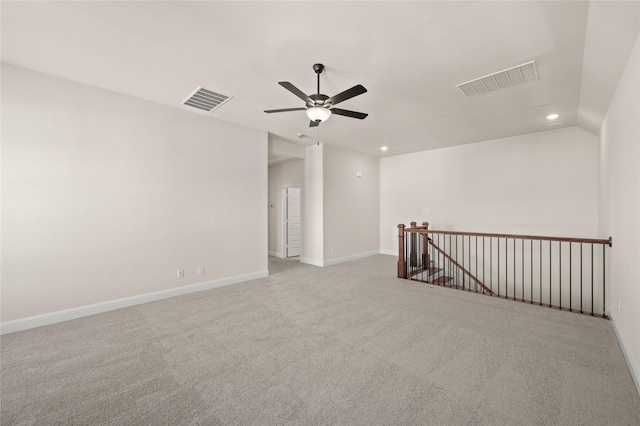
(320, 107)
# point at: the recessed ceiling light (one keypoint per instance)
(384, 148)
(552, 116)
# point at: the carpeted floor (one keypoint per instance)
(348, 344)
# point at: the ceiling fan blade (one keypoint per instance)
(293, 89)
(347, 94)
(269, 111)
(347, 113)
(314, 123)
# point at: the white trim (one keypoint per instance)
(628, 356)
(276, 254)
(313, 262)
(389, 252)
(98, 308)
(350, 258)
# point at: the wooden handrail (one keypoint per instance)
(425, 230)
(460, 266)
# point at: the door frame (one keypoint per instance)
(283, 218)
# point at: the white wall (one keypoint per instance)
(106, 196)
(351, 204)
(340, 212)
(286, 149)
(290, 173)
(620, 207)
(312, 206)
(538, 184)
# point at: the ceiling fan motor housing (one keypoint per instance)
(318, 100)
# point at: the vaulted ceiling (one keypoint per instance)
(409, 55)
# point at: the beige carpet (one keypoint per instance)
(348, 344)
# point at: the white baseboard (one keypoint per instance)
(276, 254)
(313, 262)
(321, 263)
(350, 258)
(628, 356)
(389, 252)
(98, 308)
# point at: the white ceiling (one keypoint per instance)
(409, 55)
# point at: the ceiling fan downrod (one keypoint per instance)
(318, 68)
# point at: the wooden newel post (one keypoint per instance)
(425, 247)
(402, 264)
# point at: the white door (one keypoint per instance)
(292, 219)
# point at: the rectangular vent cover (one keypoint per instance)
(205, 99)
(500, 80)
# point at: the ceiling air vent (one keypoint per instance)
(205, 99)
(500, 80)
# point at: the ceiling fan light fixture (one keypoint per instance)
(318, 113)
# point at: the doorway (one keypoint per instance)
(292, 227)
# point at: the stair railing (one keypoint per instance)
(556, 272)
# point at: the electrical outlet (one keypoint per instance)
(618, 306)
(332, 250)
(180, 273)
(200, 270)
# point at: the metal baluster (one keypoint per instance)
(406, 254)
(444, 259)
(463, 268)
(560, 272)
(604, 290)
(531, 282)
(491, 263)
(540, 288)
(456, 259)
(484, 265)
(430, 253)
(550, 279)
(506, 268)
(522, 266)
(498, 267)
(421, 259)
(469, 263)
(450, 253)
(591, 279)
(581, 278)
(431, 258)
(440, 257)
(570, 275)
(476, 284)
(514, 269)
